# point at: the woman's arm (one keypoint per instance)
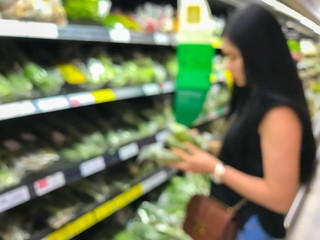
(280, 135)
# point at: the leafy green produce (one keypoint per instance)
(157, 153)
(86, 9)
(48, 81)
(21, 86)
(115, 20)
(5, 90)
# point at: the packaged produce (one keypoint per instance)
(6, 93)
(37, 10)
(49, 82)
(87, 9)
(120, 21)
(21, 87)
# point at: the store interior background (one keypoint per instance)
(87, 92)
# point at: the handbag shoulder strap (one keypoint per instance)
(237, 206)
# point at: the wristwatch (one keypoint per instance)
(218, 173)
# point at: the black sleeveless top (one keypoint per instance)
(241, 150)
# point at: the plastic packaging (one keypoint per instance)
(36, 10)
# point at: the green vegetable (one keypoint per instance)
(85, 9)
(21, 86)
(48, 81)
(5, 90)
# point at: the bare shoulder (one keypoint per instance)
(282, 119)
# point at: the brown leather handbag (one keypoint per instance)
(209, 219)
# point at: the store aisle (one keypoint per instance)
(307, 225)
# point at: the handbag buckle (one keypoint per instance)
(198, 228)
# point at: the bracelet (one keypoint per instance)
(218, 173)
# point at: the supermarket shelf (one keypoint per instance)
(73, 32)
(61, 102)
(113, 205)
(219, 112)
(36, 186)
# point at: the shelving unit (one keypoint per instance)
(61, 102)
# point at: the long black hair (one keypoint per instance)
(271, 74)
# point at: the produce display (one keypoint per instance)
(57, 208)
(25, 76)
(75, 135)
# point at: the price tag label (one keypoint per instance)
(169, 87)
(49, 183)
(104, 95)
(128, 151)
(120, 35)
(105, 210)
(41, 30)
(92, 166)
(151, 89)
(81, 224)
(161, 38)
(53, 103)
(16, 109)
(14, 198)
(81, 99)
(162, 136)
(154, 181)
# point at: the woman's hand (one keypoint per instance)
(196, 161)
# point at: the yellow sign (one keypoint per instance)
(104, 95)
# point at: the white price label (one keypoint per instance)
(161, 38)
(49, 183)
(128, 151)
(16, 109)
(92, 166)
(169, 87)
(154, 181)
(14, 198)
(53, 103)
(151, 89)
(120, 35)
(162, 136)
(28, 29)
(81, 99)
(41, 30)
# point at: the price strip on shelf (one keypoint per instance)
(16, 109)
(169, 87)
(49, 183)
(121, 201)
(81, 99)
(104, 95)
(14, 198)
(134, 192)
(105, 210)
(151, 89)
(53, 103)
(92, 166)
(161, 38)
(81, 224)
(154, 181)
(128, 151)
(60, 234)
(162, 136)
(41, 30)
(120, 35)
